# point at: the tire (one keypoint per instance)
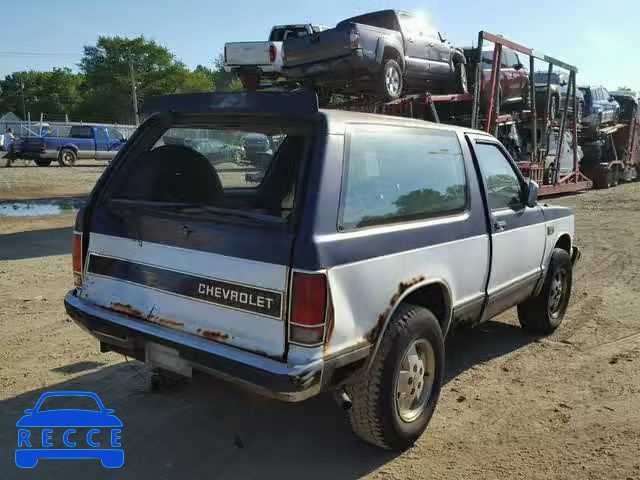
(460, 71)
(391, 81)
(613, 182)
(553, 108)
(42, 162)
(545, 312)
(376, 415)
(580, 111)
(67, 158)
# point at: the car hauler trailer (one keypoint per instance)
(481, 110)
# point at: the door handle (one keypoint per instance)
(499, 225)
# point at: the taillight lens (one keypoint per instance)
(354, 39)
(273, 51)
(77, 259)
(308, 309)
(42, 147)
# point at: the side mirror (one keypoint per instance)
(611, 99)
(532, 194)
(441, 37)
(518, 66)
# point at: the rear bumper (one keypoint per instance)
(269, 377)
(47, 154)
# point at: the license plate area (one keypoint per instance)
(166, 357)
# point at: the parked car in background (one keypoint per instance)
(263, 59)
(599, 107)
(559, 88)
(218, 151)
(258, 149)
(628, 101)
(84, 142)
(385, 53)
(514, 77)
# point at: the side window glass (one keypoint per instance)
(503, 186)
(398, 174)
(101, 134)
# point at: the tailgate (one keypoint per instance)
(247, 53)
(182, 239)
(318, 47)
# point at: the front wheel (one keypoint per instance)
(67, 157)
(545, 312)
(393, 404)
(391, 80)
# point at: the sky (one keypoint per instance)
(590, 36)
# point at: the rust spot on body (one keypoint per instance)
(166, 322)
(213, 335)
(372, 335)
(126, 309)
(134, 312)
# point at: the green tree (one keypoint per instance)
(106, 67)
(224, 81)
(54, 93)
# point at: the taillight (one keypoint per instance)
(308, 309)
(354, 39)
(225, 54)
(272, 53)
(43, 147)
(77, 259)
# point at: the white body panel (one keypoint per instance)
(251, 331)
(517, 254)
(253, 54)
(362, 291)
(560, 226)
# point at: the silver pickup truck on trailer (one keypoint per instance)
(342, 269)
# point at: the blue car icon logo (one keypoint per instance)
(53, 430)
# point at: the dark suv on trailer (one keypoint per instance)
(385, 53)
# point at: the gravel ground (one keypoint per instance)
(514, 405)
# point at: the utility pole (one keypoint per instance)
(134, 97)
(24, 108)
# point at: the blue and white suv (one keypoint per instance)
(342, 269)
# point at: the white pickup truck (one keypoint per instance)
(264, 59)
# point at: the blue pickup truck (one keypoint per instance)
(84, 142)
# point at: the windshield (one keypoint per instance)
(247, 169)
(69, 402)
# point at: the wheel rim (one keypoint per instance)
(392, 81)
(414, 379)
(67, 158)
(557, 293)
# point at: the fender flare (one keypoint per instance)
(68, 146)
(397, 299)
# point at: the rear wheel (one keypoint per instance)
(391, 80)
(545, 312)
(394, 403)
(67, 157)
(461, 78)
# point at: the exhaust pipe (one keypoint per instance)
(343, 399)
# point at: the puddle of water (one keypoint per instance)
(36, 208)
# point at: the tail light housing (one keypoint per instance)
(307, 321)
(354, 39)
(273, 51)
(77, 259)
(43, 147)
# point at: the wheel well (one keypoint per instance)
(434, 297)
(564, 242)
(392, 53)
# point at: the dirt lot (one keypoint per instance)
(514, 405)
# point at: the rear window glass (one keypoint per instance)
(282, 34)
(397, 174)
(250, 169)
